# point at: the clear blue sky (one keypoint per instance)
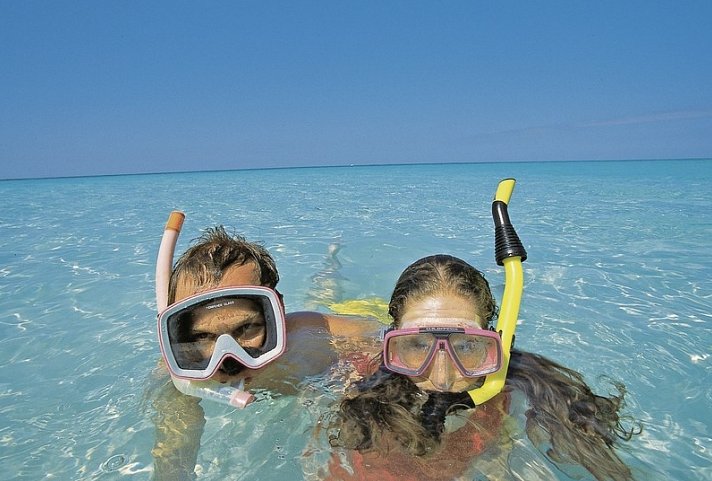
(107, 87)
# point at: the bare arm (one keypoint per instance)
(179, 422)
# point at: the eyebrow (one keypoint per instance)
(241, 320)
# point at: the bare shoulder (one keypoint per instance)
(338, 325)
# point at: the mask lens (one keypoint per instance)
(477, 354)
(412, 350)
(474, 352)
(197, 331)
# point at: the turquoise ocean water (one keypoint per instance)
(617, 283)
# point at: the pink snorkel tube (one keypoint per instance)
(164, 264)
(208, 389)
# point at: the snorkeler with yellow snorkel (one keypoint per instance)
(441, 398)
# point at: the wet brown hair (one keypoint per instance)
(213, 253)
(441, 274)
(568, 420)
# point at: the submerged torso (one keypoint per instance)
(476, 431)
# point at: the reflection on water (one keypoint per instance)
(617, 284)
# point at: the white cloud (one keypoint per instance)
(653, 117)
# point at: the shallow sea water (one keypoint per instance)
(617, 283)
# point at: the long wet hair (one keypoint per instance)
(578, 425)
(566, 420)
(213, 253)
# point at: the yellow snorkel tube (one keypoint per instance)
(510, 253)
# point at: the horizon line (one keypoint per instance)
(350, 165)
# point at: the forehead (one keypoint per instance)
(447, 310)
(245, 275)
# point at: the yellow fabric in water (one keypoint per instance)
(370, 307)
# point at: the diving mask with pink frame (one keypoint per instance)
(411, 351)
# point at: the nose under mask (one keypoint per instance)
(231, 366)
(440, 374)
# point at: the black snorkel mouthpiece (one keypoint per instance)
(506, 240)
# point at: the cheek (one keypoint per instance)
(466, 383)
(256, 341)
(205, 349)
